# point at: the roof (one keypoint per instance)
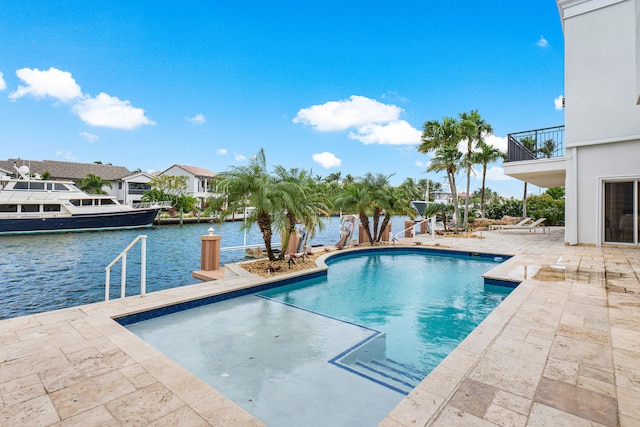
(68, 170)
(194, 170)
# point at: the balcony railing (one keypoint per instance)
(536, 144)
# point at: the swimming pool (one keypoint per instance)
(336, 349)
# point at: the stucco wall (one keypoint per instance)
(600, 74)
(594, 163)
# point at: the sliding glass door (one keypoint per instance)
(621, 212)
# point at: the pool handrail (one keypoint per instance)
(123, 277)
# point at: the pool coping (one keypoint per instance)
(56, 366)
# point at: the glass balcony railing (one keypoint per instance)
(543, 143)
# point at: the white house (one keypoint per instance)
(129, 189)
(597, 154)
(198, 180)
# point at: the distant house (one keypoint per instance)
(198, 180)
(131, 188)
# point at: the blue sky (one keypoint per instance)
(329, 86)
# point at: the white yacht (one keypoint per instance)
(34, 205)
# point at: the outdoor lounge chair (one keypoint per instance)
(533, 226)
(523, 222)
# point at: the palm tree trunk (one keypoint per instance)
(383, 226)
(364, 220)
(456, 208)
(524, 201)
(466, 201)
(484, 175)
(264, 223)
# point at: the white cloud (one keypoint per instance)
(52, 82)
(327, 160)
(221, 151)
(341, 115)
(542, 42)
(198, 119)
(374, 122)
(397, 132)
(3, 85)
(558, 101)
(65, 154)
(420, 164)
(495, 173)
(109, 111)
(89, 137)
(500, 142)
(239, 157)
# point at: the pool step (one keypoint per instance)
(394, 375)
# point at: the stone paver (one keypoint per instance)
(562, 349)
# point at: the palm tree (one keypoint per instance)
(93, 184)
(448, 158)
(443, 138)
(301, 203)
(355, 197)
(487, 154)
(473, 129)
(381, 199)
(548, 148)
(252, 186)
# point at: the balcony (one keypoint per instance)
(537, 157)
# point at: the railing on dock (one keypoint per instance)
(123, 280)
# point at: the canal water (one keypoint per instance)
(43, 272)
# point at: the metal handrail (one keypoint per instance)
(410, 228)
(123, 276)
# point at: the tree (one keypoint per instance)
(172, 187)
(448, 159)
(547, 148)
(473, 129)
(443, 138)
(301, 202)
(251, 186)
(355, 197)
(487, 154)
(93, 184)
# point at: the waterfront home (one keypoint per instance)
(595, 154)
(198, 180)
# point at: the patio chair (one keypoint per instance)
(497, 227)
(533, 226)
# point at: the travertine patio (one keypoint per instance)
(562, 349)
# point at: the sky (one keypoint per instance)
(330, 86)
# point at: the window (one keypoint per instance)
(621, 212)
(107, 202)
(87, 202)
(75, 202)
(8, 208)
(60, 187)
(51, 208)
(36, 185)
(30, 208)
(22, 185)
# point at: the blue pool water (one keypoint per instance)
(50, 271)
(337, 350)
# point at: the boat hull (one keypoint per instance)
(83, 222)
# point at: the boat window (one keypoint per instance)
(87, 202)
(107, 202)
(60, 187)
(8, 208)
(22, 185)
(75, 202)
(30, 208)
(36, 185)
(51, 208)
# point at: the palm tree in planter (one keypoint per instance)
(252, 186)
(93, 184)
(301, 202)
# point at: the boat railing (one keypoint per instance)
(146, 205)
(123, 280)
